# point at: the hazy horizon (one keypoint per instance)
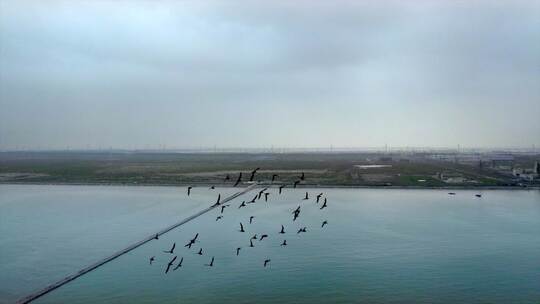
(147, 75)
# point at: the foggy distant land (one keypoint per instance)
(370, 169)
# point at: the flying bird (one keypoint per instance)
(254, 237)
(152, 259)
(274, 177)
(227, 177)
(192, 241)
(218, 200)
(296, 215)
(251, 219)
(251, 243)
(219, 217)
(302, 177)
(266, 196)
(200, 252)
(296, 183)
(254, 199)
(284, 243)
(238, 250)
(189, 190)
(478, 195)
(324, 204)
(451, 193)
(253, 174)
(223, 207)
(238, 180)
(243, 204)
(170, 264)
(211, 263)
(306, 197)
(280, 188)
(172, 249)
(242, 228)
(261, 193)
(212, 187)
(282, 230)
(324, 223)
(263, 236)
(266, 262)
(156, 237)
(301, 230)
(179, 264)
(319, 197)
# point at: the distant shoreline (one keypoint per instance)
(321, 186)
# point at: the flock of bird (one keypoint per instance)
(262, 194)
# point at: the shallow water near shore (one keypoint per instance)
(380, 246)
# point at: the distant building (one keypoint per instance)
(528, 174)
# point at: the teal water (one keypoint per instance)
(380, 246)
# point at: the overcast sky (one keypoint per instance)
(89, 74)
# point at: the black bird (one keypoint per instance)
(301, 230)
(254, 237)
(263, 236)
(172, 249)
(242, 228)
(238, 180)
(302, 177)
(324, 204)
(189, 190)
(324, 223)
(170, 264)
(274, 177)
(306, 197)
(179, 264)
(296, 183)
(282, 230)
(253, 200)
(296, 213)
(451, 193)
(261, 193)
(243, 204)
(200, 252)
(223, 207)
(478, 195)
(192, 241)
(218, 200)
(211, 263)
(152, 259)
(238, 250)
(319, 197)
(251, 219)
(280, 188)
(284, 243)
(228, 177)
(266, 262)
(212, 187)
(253, 174)
(266, 196)
(219, 217)
(156, 237)
(251, 243)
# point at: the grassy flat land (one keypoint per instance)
(156, 168)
